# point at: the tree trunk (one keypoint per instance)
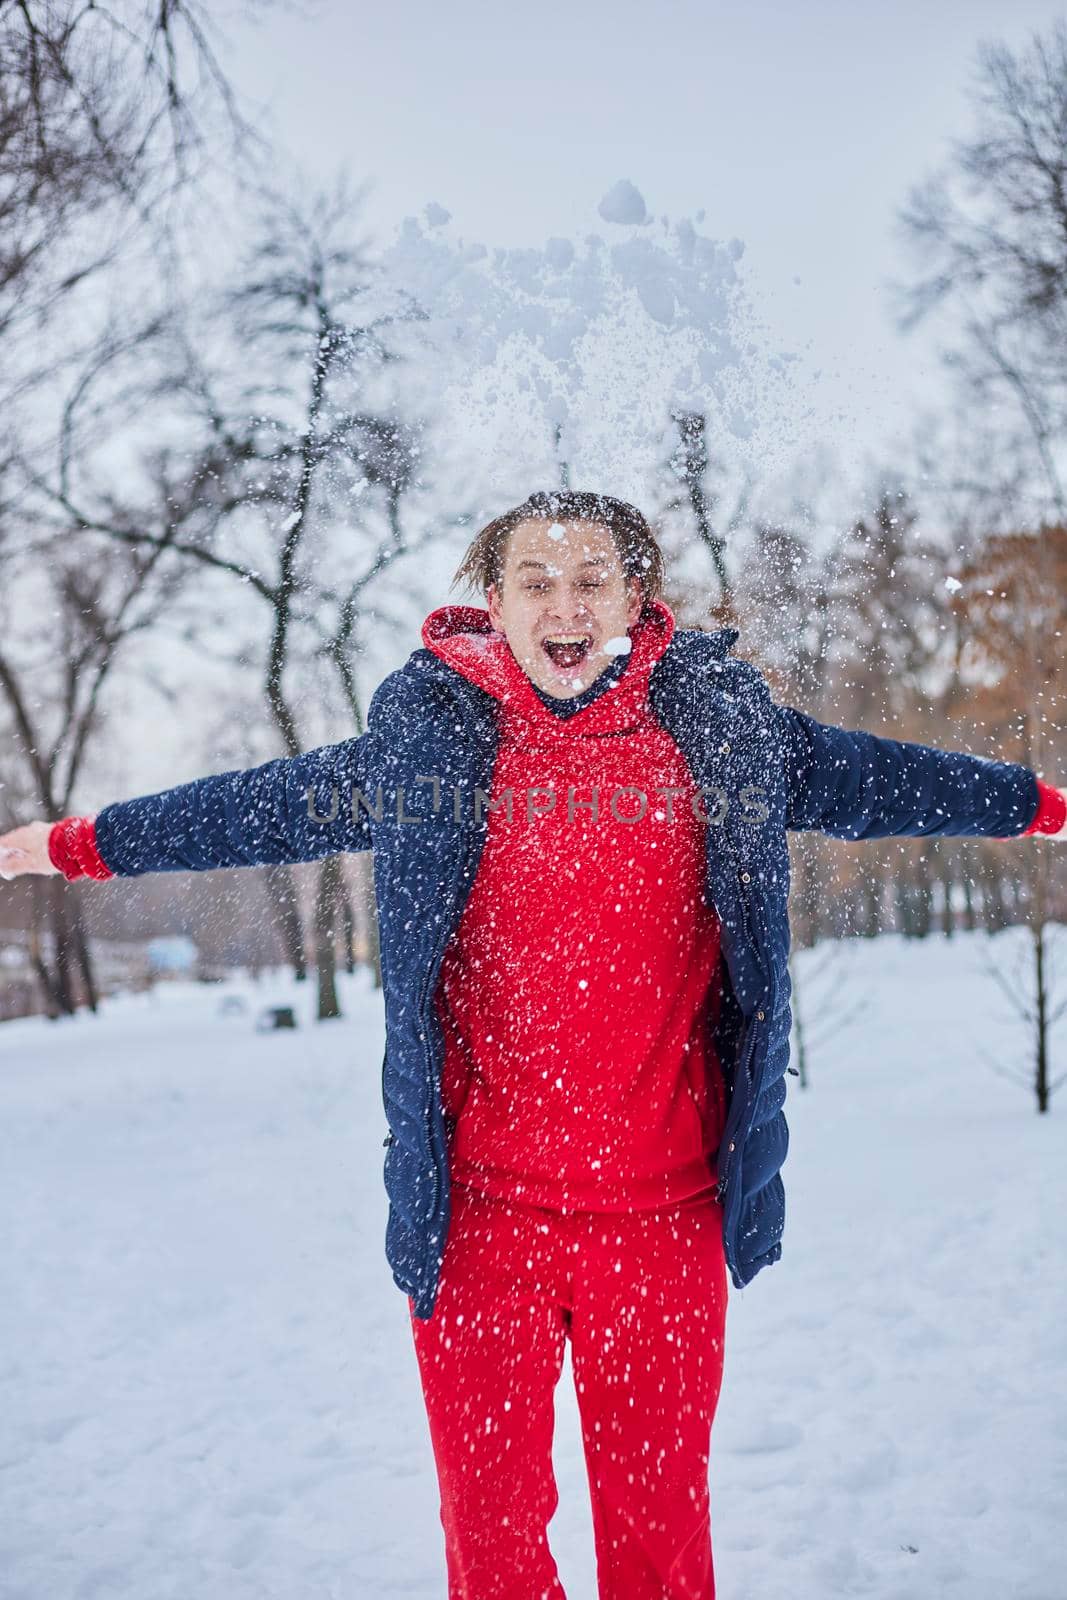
(906, 894)
(870, 902)
(63, 958)
(923, 909)
(804, 910)
(51, 974)
(1041, 1018)
(368, 916)
(82, 955)
(327, 895)
(285, 910)
(348, 928)
(948, 910)
(970, 911)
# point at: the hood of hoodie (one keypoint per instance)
(463, 637)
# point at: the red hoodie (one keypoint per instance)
(577, 989)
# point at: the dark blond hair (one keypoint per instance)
(634, 540)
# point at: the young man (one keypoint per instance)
(579, 817)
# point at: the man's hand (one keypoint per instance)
(1050, 820)
(25, 850)
(1062, 835)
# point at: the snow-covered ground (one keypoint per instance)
(206, 1377)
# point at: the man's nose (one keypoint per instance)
(576, 612)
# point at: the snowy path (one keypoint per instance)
(206, 1377)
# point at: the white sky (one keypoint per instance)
(798, 128)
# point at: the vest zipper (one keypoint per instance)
(425, 1001)
(750, 1045)
(743, 1070)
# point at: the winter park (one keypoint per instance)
(533, 802)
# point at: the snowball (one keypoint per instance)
(623, 204)
(617, 645)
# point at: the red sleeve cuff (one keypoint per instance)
(72, 850)
(1051, 811)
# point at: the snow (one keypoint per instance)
(208, 1380)
(624, 203)
(602, 336)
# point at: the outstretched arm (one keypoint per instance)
(857, 785)
(288, 810)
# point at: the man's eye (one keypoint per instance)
(531, 588)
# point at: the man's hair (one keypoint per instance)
(634, 540)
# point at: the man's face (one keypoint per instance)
(563, 603)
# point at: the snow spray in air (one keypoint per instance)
(584, 349)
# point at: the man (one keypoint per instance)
(579, 821)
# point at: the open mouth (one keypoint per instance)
(567, 650)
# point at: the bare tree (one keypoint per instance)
(699, 484)
(990, 234)
(1013, 604)
(106, 114)
(52, 685)
(1034, 1000)
(887, 609)
(286, 469)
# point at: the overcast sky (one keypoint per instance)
(797, 128)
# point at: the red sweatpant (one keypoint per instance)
(642, 1297)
